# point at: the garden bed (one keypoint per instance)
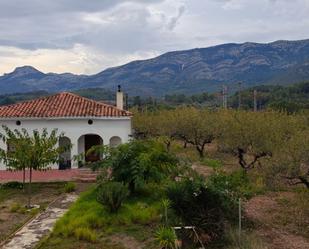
(14, 215)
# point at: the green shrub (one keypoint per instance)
(69, 187)
(202, 206)
(12, 185)
(15, 207)
(236, 184)
(213, 163)
(112, 194)
(84, 233)
(166, 237)
(139, 162)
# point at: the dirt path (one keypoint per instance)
(264, 210)
(40, 226)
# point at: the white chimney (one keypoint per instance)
(119, 98)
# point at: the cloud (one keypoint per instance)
(88, 36)
(173, 21)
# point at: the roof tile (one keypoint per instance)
(61, 105)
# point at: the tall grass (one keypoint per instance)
(86, 218)
(247, 241)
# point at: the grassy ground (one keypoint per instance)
(12, 201)
(88, 224)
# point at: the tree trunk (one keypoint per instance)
(304, 181)
(168, 145)
(200, 151)
(24, 179)
(29, 188)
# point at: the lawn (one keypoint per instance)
(88, 224)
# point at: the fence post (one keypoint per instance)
(239, 220)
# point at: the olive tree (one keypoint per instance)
(253, 137)
(36, 151)
(159, 124)
(291, 161)
(197, 127)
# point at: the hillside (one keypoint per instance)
(189, 71)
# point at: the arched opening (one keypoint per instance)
(86, 142)
(114, 141)
(65, 156)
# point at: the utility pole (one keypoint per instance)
(255, 100)
(224, 96)
(239, 95)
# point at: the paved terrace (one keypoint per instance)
(53, 175)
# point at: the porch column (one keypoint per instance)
(74, 152)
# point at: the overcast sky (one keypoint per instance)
(87, 36)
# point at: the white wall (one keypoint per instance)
(74, 129)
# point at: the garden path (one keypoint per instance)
(41, 225)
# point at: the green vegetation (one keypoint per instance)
(90, 221)
(137, 163)
(277, 141)
(291, 98)
(69, 187)
(147, 186)
(112, 194)
(34, 152)
(166, 237)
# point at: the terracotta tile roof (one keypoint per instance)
(61, 105)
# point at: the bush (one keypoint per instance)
(213, 163)
(140, 162)
(166, 237)
(17, 208)
(84, 233)
(112, 194)
(69, 187)
(12, 185)
(202, 206)
(235, 185)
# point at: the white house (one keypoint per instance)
(85, 122)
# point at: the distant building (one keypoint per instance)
(85, 122)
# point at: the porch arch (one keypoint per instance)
(87, 141)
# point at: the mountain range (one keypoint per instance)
(188, 71)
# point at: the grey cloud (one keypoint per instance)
(22, 8)
(121, 28)
(173, 21)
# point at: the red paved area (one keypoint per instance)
(53, 175)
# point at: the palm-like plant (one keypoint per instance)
(166, 237)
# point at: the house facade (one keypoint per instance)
(84, 122)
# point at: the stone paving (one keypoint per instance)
(40, 226)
